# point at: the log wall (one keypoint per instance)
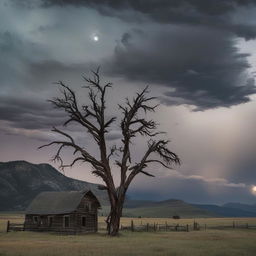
(83, 219)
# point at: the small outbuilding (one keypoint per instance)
(66, 211)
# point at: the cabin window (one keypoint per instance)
(83, 221)
(66, 221)
(50, 220)
(35, 219)
(88, 206)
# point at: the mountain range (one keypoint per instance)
(21, 181)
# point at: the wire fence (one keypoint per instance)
(149, 227)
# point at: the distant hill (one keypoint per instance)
(243, 207)
(226, 211)
(21, 181)
(165, 209)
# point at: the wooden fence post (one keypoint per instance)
(234, 224)
(187, 228)
(8, 226)
(147, 227)
(166, 227)
(204, 226)
(154, 226)
(132, 226)
(196, 226)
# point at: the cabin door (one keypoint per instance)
(66, 221)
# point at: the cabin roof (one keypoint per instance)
(58, 202)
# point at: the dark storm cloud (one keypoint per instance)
(196, 58)
(202, 68)
(19, 74)
(210, 7)
(200, 64)
(203, 12)
(28, 113)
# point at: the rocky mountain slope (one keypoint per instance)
(21, 181)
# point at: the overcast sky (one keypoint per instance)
(197, 56)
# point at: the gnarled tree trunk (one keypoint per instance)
(113, 219)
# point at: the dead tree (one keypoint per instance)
(92, 117)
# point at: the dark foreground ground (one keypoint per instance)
(208, 242)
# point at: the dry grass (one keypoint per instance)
(209, 242)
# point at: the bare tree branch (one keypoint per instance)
(131, 126)
(159, 148)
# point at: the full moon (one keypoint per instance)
(96, 38)
(254, 190)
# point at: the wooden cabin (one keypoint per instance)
(66, 211)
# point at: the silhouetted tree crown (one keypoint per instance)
(92, 118)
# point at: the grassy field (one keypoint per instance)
(205, 242)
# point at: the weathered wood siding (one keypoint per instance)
(83, 219)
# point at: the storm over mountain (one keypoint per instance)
(197, 56)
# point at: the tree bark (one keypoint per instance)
(113, 220)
